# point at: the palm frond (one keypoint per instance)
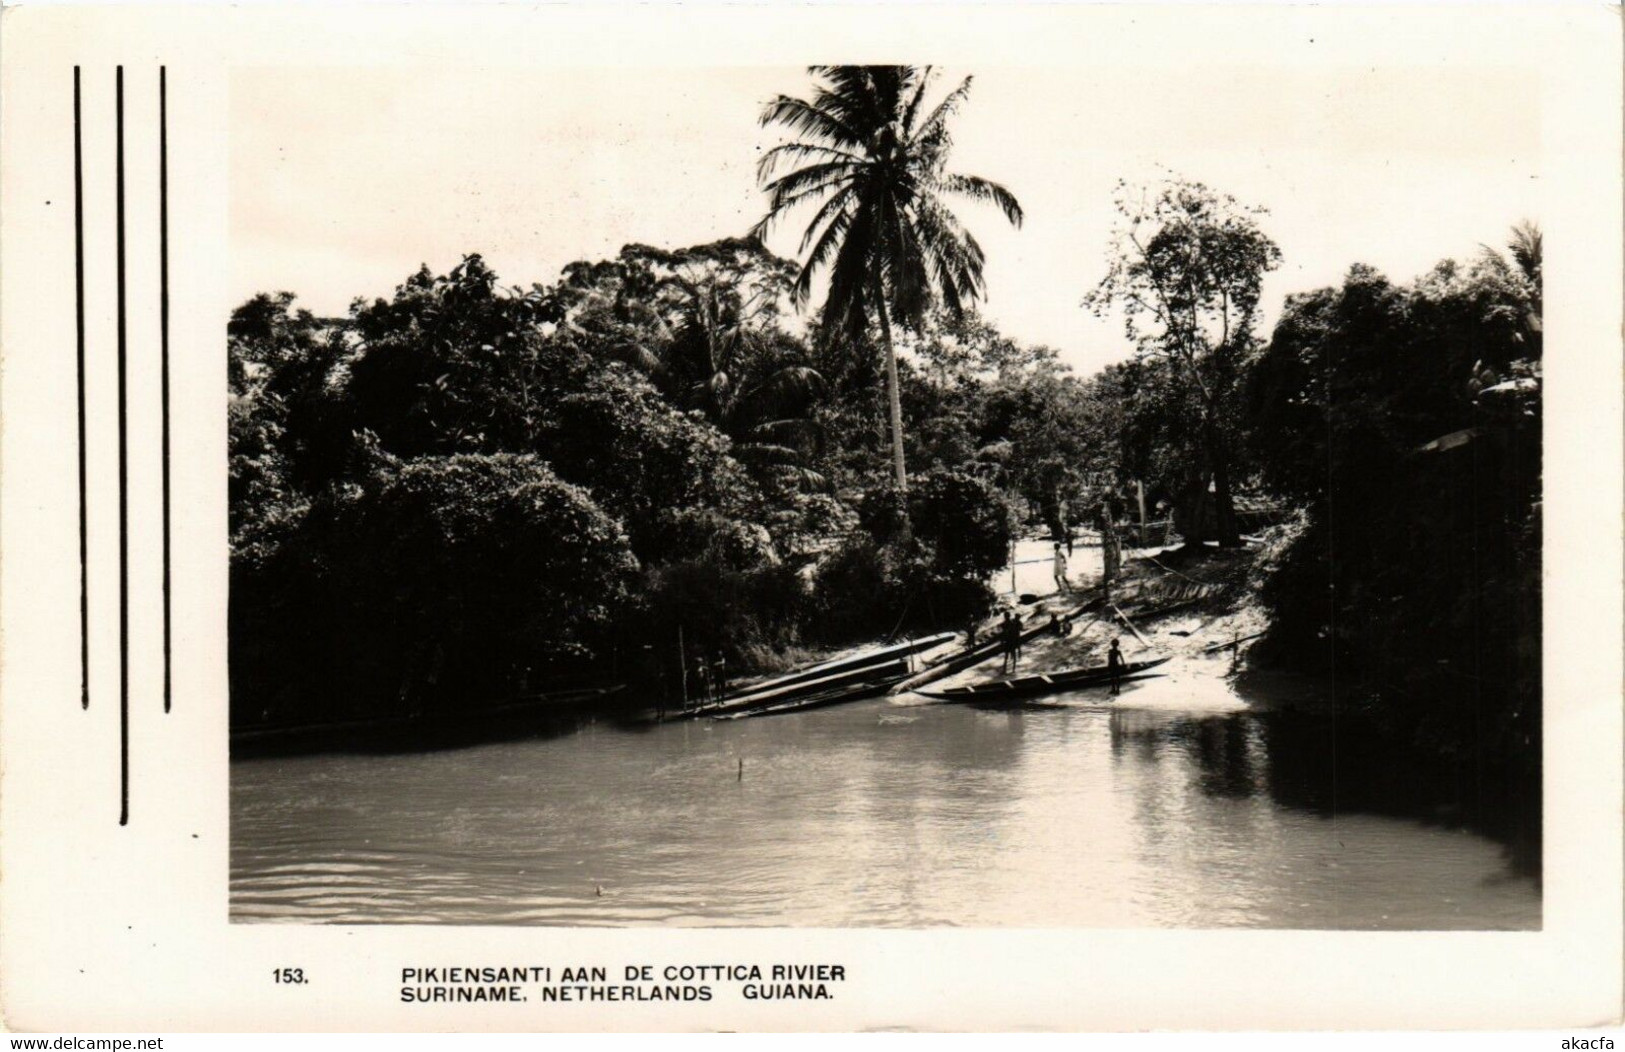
(836, 202)
(792, 152)
(922, 80)
(1526, 247)
(638, 357)
(834, 237)
(785, 190)
(786, 431)
(938, 120)
(904, 268)
(955, 257)
(783, 393)
(855, 95)
(978, 189)
(768, 453)
(808, 118)
(846, 306)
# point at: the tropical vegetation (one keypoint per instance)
(467, 490)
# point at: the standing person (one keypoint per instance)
(719, 676)
(702, 679)
(1010, 630)
(970, 631)
(1061, 584)
(1114, 664)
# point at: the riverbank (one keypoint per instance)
(1196, 608)
(1154, 593)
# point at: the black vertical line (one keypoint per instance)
(123, 498)
(79, 312)
(163, 339)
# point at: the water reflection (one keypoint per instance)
(1078, 814)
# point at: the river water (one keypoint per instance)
(1180, 806)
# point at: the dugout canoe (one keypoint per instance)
(851, 663)
(991, 648)
(1043, 683)
(855, 692)
(884, 674)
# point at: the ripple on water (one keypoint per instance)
(1175, 807)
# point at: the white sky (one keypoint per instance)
(344, 180)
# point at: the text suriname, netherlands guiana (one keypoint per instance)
(459, 984)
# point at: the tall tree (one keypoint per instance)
(1186, 267)
(872, 157)
(728, 356)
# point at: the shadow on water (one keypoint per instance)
(1330, 766)
(387, 737)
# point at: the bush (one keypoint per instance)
(963, 520)
(447, 581)
(743, 616)
(856, 592)
(961, 531)
(864, 590)
(706, 535)
(640, 458)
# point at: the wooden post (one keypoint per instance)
(682, 664)
(1139, 495)
(1109, 551)
(1130, 625)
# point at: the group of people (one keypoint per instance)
(1008, 630)
(707, 679)
(1010, 636)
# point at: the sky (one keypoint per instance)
(344, 180)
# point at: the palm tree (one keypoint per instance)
(1518, 283)
(1525, 245)
(727, 358)
(873, 159)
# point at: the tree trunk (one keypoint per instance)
(894, 396)
(1190, 512)
(1224, 511)
(1055, 516)
(1110, 554)
(1139, 495)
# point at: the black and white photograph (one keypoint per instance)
(811, 518)
(885, 496)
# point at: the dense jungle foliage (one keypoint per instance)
(469, 488)
(469, 492)
(1404, 420)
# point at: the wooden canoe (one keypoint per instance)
(851, 663)
(1044, 683)
(819, 700)
(887, 674)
